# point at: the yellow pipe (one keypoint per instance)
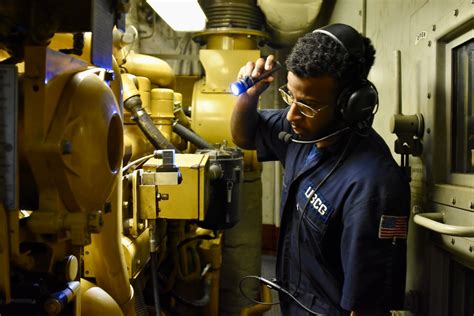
(258, 309)
(157, 70)
(108, 257)
(95, 301)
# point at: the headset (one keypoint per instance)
(358, 101)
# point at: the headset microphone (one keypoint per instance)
(287, 137)
(247, 82)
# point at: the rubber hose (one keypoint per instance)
(189, 135)
(141, 117)
(203, 301)
(140, 305)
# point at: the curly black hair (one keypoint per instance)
(317, 54)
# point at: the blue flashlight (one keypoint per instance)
(247, 82)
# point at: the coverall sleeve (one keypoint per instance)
(271, 123)
(373, 253)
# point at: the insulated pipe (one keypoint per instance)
(133, 103)
(189, 135)
(108, 258)
(158, 71)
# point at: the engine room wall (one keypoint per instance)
(414, 28)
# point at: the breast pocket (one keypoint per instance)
(316, 211)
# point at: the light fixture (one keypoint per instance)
(180, 15)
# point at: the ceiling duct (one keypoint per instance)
(288, 20)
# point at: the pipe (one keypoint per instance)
(397, 63)
(95, 301)
(363, 15)
(191, 136)
(156, 289)
(154, 264)
(155, 69)
(108, 258)
(258, 309)
(288, 20)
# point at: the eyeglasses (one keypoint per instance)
(304, 109)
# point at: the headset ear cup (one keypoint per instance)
(357, 103)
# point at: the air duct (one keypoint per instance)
(288, 20)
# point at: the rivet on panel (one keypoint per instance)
(428, 95)
(452, 241)
(433, 28)
(429, 43)
(471, 205)
(453, 201)
(456, 12)
(428, 130)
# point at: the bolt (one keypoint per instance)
(453, 201)
(471, 205)
(428, 95)
(428, 130)
(162, 196)
(434, 27)
(429, 43)
(138, 262)
(452, 241)
(456, 12)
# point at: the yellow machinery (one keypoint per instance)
(112, 204)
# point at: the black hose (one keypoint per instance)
(154, 275)
(200, 302)
(140, 306)
(189, 135)
(141, 117)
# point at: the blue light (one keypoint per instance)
(239, 87)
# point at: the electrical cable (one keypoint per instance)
(137, 161)
(278, 288)
(305, 208)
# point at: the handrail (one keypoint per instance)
(434, 222)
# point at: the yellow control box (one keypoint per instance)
(189, 199)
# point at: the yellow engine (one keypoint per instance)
(112, 201)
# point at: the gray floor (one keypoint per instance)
(268, 272)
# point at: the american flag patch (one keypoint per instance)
(393, 227)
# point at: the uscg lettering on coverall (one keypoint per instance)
(317, 202)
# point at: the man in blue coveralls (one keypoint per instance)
(345, 202)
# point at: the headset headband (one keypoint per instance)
(346, 36)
